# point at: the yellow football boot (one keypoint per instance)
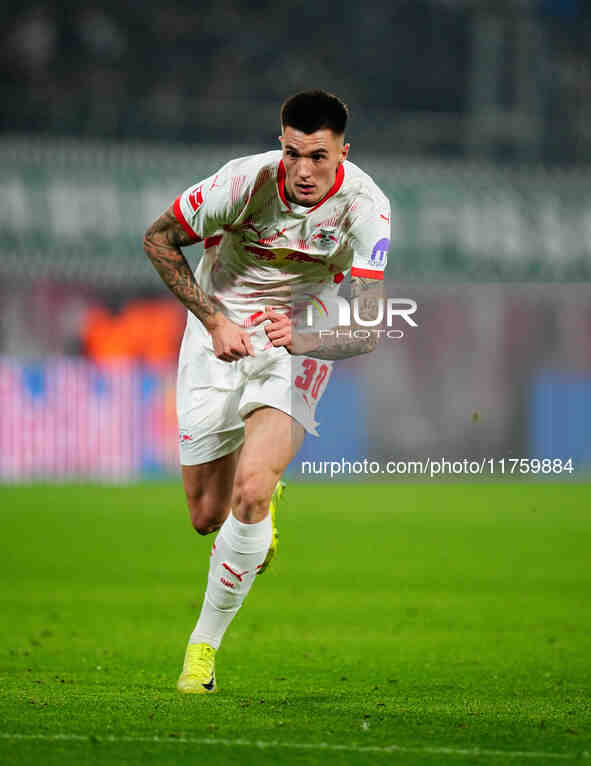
(273, 505)
(198, 676)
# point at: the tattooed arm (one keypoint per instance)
(339, 342)
(162, 243)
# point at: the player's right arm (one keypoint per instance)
(162, 243)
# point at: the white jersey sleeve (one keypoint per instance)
(370, 240)
(206, 207)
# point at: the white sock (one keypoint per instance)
(237, 552)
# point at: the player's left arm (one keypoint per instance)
(339, 342)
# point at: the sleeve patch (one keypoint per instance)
(195, 198)
(379, 252)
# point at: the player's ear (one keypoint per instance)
(345, 152)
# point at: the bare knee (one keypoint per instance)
(206, 516)
(204, 525)
(252, 493)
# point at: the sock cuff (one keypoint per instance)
(247, 538)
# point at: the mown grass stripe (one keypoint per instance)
(266, 744)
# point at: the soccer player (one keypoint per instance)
(279, 231)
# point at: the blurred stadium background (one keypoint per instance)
(475, 119)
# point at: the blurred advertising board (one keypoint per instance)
(65, 418)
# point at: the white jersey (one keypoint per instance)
(262, 250)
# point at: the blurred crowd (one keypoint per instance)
(52, 319)
(147, 330)
(216, 71)
(142, 69)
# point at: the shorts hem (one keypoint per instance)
(249, 407)
(210, 456)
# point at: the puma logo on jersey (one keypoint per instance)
(250, 233)
(279, 233)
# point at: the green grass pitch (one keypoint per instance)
(401, 623)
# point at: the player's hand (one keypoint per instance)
(230, 342)
(280, 330)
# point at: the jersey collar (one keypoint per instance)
(338, 182)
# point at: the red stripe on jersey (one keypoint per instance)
(322, 304)
(369, 273)
(281, 183)
(329, 222)
(178, 214)
(269, 240)
(237, 182)
(212, 241)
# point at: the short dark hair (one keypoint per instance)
(313, 110)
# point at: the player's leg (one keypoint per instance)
(211, 434)
(208, 488)
(272, 439)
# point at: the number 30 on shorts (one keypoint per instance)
(312, 376)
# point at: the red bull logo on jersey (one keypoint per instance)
(302, 257)
(261, 253)
(283, 256)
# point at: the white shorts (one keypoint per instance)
(213, 397)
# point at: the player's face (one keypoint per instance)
(311, 162)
